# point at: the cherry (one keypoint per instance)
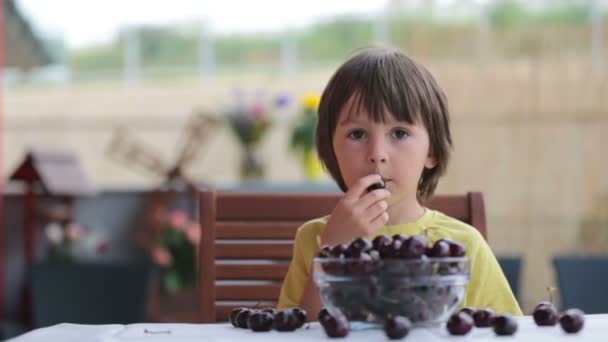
(460, 323)
(361, 265)
(399, 237)
(338, 250)
(300, 315)
(376, 186)
(504, 325)
(260, 321)
(483, 317)
(233, 315)
(397, 327)
(285, 321)
(391, 250)
(545, 314)
(414, 247)
(572, 320)
(470, 311)
(242, 317)
(380, 241)
(440, 249)
(323, 315)
(457, 249)
(358, 246)
(335, 326)
(325, 252)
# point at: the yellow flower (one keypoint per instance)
(311, 101)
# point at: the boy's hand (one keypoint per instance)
(358, 213)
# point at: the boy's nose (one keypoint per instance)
(377, 153)
(374, 160)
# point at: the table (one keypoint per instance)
(596, 329)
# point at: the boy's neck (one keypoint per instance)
(406, 211)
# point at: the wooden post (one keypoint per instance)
(207, 256)
(1, 175)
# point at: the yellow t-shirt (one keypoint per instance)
(487, 288)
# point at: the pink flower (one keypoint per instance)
(193, 233)
(161, 256)
(178, 219)
(258, 112)
(73, 231)
(103, 247)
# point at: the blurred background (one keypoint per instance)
(527, 83)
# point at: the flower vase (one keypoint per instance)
(313, 168)
(252, 167)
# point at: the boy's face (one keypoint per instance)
(396, 150)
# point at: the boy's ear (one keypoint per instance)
(430, 162)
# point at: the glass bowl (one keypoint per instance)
(426, 290)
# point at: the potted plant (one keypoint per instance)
(303, 138)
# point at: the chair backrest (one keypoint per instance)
(511, 267)
(247, 241)
(92, 293)
(582, 282)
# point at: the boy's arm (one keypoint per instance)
(488, 286)
(311, 299)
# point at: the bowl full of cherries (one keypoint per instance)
(370, 283)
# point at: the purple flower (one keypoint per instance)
(282, 100)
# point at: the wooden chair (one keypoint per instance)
(582, 282)
(247, 241)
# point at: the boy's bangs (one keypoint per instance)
(381, 100)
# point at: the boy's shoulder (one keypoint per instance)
(453, 228)
(313, 227)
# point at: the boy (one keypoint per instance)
(383, 117)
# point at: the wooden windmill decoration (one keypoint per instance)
(127, 149)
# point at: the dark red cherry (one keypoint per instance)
(483, 317)
(572, 320)
(545, 314)
(380, 240)
(376, 186)
(460, 323)
(242, 317)
(469, 310)
(440, 249)
(504, 325)
(335, 326)
(391, 250)
(397, 327)
(414, 247)
(300, 315)
(260, 321)
(399, 237)
(285, 321)
(233, 315)
(457, 249)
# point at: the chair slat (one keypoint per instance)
(248, 292)
(251, 272)
(270, 207)
(254, 251)
(257, 230)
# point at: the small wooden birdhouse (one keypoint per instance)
(55, 173)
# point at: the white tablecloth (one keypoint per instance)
(596, 329)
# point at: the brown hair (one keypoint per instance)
(387, 81)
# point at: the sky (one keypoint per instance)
(86, 22)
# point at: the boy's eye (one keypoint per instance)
(400, 133)
(356, 134)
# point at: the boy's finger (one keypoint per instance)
(360, 187)
(373, 197)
